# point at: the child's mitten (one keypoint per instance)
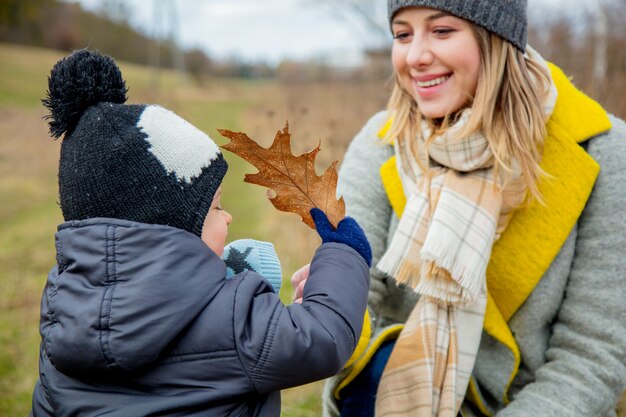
(253, 255)
(348, 232)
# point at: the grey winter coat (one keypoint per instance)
(139, 320)
(571, 331)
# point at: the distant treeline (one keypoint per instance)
(67, 26)
(592, 51)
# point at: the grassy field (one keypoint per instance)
(29, 212)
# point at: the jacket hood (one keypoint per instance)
(122, 292)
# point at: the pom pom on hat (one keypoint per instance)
(253, 255)
(77, 82)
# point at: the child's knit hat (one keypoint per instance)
(253, 255)
(505, 18)
(134, 162)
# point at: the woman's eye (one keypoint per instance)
(402, 36)
(442, 31)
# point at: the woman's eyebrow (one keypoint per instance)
(433, 16)
(438, 15)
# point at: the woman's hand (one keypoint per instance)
(298, 280)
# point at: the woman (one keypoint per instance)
(489, 191)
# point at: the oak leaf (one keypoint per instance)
(297, 187)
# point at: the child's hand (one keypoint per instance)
(298, 280)
(347, 232)
(253, 255)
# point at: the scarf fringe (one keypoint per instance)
(440, 286)
(468, 273)
(404, 271)
(438, 275)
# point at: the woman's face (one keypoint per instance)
(437, 59)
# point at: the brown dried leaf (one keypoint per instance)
(293, 179)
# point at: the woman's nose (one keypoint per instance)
(420, 54)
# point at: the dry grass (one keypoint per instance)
(28, 216)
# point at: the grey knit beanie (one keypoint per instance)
(505, 18)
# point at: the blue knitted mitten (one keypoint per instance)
(253, 255)
(348, 232)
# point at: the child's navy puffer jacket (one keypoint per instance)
(139, 320)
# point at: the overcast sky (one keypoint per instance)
(272, 30)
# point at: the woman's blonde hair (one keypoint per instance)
(507, 109)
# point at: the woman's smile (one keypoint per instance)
(431, 85)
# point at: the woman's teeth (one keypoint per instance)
(434, 82)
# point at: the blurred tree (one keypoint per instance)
(368, 16)
(590, 46)
(198, 65)
(59, 26)
(19, 20)
(166, 28)
(116, 10)
(600, 35)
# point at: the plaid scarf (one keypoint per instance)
(454, 213)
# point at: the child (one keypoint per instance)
(137, 317)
